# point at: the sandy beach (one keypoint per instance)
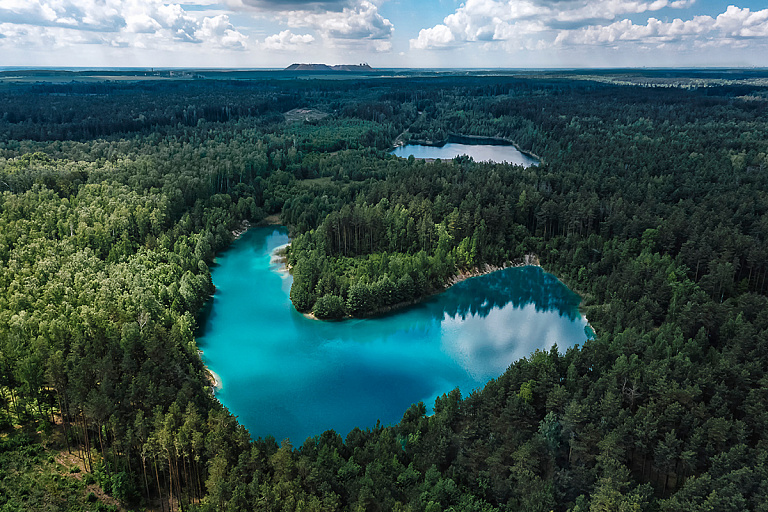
(214, 379)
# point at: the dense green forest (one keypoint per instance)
(650, 202)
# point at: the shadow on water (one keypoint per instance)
(203, 317)
(519, 286)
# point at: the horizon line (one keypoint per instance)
(482, 68)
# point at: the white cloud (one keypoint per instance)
(30, 36)
(287, 41)
(736, 22)
(357, 24)
(289, 5)
(141, 23)
(438, 36)
(624, 30)
(121, 23)
(517, 21)
(345, 24)
(349, 25)
(538, 24)
(610, 9)
(729, 28)
(101, 16)
(219, 31)
(177, 22)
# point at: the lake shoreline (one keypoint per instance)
(214, 379)
(482, 270)
(211, 377)
(269, 355)
(279, 258)
(529, 260)
(478, 271)
(241, 229)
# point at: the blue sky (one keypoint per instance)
(384, 33)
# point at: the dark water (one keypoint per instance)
(287, 376)
(479, 152)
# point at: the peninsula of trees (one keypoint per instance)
(652, 204)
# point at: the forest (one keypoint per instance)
(650, 201)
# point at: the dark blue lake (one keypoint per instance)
(288, 376)
(479, 152)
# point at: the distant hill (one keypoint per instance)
(326, 67)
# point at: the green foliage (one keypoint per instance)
(526, 391)
(650, 202)
(32, 481)
(329, 307)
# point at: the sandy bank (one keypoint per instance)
(279, 258)
(212, 378)
(215, 379)
(528, 259)
(242, 228)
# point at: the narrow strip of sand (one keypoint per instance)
(214, 379)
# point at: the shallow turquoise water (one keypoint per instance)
(287, 376)
(479, 152)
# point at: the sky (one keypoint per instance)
(384, 33)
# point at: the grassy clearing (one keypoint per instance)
(304, 114)
(38, 473)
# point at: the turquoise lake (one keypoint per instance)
(288, 376)
(479, 152)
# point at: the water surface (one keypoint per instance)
(479, 152)
(288, 376)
